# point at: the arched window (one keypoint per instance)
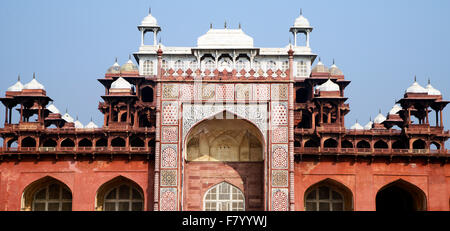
(285, 65)
(330, 143)
(85, 143)
(301, 69)
(67, 143)
(148, 67)
(101, 143)
(178, 65)
(52, 197)
(400, 195)
(272, 65)
(363, 144)
(324, 198)
(193, 65)
(301, 95)
(435, 146)
(224, 197)
(124, 197)
(311, 144)
(419, 144)
(209, 64)
(118, 142)
(346, 144)
(28, 142)
(49, 143)
(147, 94)
(398, 145)
(380, 144)
(256, 65)
(164, 65)
(136, 142)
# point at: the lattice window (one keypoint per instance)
(193, 65)
(256, 65)
(272, 65)
(224, 197)
(324, 198)
(284, 65)
(178, 65)
(164, 64)
(209, 64)
(124, 197)
(53, 197)
(148, 67)
(301, 69)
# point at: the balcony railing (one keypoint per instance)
(74, 149)
(318, 150)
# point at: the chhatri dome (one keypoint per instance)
(225, 38)
(120, 83)
(334, 70)
(368, 126)
(129, 67)
(379, 118)
(431, 90)
(357, 126)
(416, 88)
(34, 84)
(395, 109)
(114, 69)
(91, 125)
(319, 68)
(328, 86)
(149, 21)
(18, 86)
(301, 21)
(53, 109)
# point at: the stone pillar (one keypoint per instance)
(157, 131)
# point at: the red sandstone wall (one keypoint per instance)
(200, 176)
(365, 180)
(83, 178)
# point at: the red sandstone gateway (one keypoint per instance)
(223, 126)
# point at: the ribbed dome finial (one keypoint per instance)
(34, 75)
(18, 78)
(301, 11)
(225, 25)
(149, 10)
(415, 79)
(210, 25)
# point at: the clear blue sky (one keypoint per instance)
(380, 45)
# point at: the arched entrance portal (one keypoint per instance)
(224, 161)
(400, 196)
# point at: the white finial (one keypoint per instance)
(301, 13)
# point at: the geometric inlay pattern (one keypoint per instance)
(168, 155)
(279, 92)
(170, 91)
(168, 177)
(169, 134)
(280, 135)
(280, 156)
(279, 113)
(225, 91)
(243, 91)
(279, 178)
(169, 113)
(168, 199)
(186, 92)
(280, 199)
(261, 92)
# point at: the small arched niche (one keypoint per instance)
(401, 195)
(228, 139)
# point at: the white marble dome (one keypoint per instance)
(149, 21)
(34, 84)
(334, 70)
(431, 90)
(320, 67)
(121, 83)
(91, 125)
(301, 22)
(416, 88)
(379, 118)
(67, 118)
(114, 69)
(53, 109)
(357, 126)
(328, 86)
(225, 38)
(18, 86)
(368, 126)
(395, 109)
(78, 124)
